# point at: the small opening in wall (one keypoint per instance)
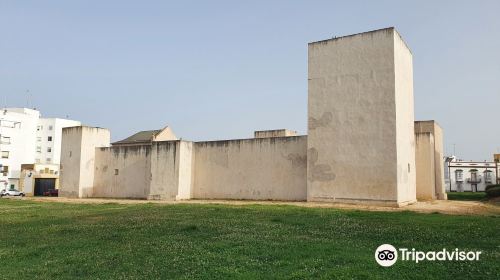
(116, 171)
(408, 168)
(70, 153)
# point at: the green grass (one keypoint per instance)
(467, 196)
(151, 241)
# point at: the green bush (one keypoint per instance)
(491, 186)
(493, 190)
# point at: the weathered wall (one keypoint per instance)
(438, 187)
(164, 170)
(78, 159)
(70, 161)
(122, 171)
(260, 169)
(426, 175)
(354, 119)
(274, 133)
(171, 170)
(405, 133)
(186, 170)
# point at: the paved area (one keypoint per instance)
(452, 207)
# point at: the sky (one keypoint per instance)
(216, 70)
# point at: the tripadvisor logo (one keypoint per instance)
(387, 255)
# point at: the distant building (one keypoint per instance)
(469, 176)
(26, 138)
(147, 137)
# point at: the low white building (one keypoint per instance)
(26, 138)
(470, 176)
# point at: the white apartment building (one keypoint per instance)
(26, 138)
(48, 139)
(470, 176)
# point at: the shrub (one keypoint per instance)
(493, 190)
(491, 186)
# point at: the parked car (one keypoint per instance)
(53, 192)
(12, 192)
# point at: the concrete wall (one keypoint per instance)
(161, 170)
(358, 108)
(78, 159)
(171, 170)
(426, 175)
(186, 170)
(260, 169)
(122, 172)
(274, 133)
(435, 189)
(405, 118)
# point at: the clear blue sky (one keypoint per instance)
(221, 69)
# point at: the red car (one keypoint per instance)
(53, 192)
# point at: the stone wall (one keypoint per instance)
(122, 172)
(78, 159)
(360, 117)
(430, 161)
(260, 169)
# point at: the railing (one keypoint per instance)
(473, 181)
(9, 124)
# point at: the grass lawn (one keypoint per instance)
(468, 196)
(149, 241)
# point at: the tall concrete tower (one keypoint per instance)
(361, 144)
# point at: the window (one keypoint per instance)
(473, 174)
(488, 178)
(38, 149)
(50, 127)
(49, 160)
(39, 139)
(116, 171)
(459, 175)
(5, 154)
(38, 128)
(70, 153)
(49, 150)
(5, 140)
(37, 160)
(49, 138)
(5, 170)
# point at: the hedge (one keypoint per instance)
(493, 190)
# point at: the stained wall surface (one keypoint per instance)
(426, 175)
(78, 159)
(358, 108)
(122, 172)
(260, 169)
(436, 189)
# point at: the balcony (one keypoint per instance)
(474, 180)
(10, 124)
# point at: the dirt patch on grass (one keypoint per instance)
(438, 206)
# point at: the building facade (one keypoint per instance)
(26, 138)
(48, 139)
(360, 146)
(470, 176)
